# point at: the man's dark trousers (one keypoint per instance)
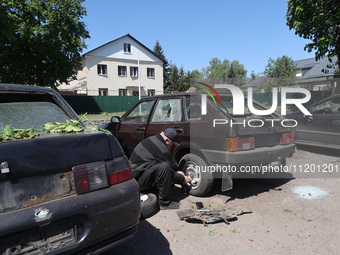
(159, 175)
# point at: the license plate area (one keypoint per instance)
(26, 191)
(55, 237)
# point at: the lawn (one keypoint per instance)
(103, 115)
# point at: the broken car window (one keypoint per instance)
(167, 110)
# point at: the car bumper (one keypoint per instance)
(97, 219)
(257, 156)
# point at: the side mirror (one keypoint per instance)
(115, 119)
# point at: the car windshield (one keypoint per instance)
(29, 111)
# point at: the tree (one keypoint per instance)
(7, 30)
(237, 74)
(224, 71)
(278, 73)
(158, 50)
(253, 75)
(42, 47)
(180, 80)
(184, 80)
(217, 70)
(173, 78)
(318, 21)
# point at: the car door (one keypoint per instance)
(167, 113)
(323, 126)
(133, 125)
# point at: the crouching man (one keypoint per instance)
(151, 165)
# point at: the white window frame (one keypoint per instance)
(102, 69)
(103, 91)
(122, 70)
(122, 92)
(133, 71)
(151, 92)
(150, 72)
(127, 47)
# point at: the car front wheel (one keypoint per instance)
(195, 167)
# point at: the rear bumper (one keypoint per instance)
(257, 156)
(102, 218)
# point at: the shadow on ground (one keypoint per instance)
(244, 188)
(319, 150)
(148, 240)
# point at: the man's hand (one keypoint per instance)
(186, 178)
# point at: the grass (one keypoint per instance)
(103, 115)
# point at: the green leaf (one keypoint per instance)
(8, 131)
(13, 133)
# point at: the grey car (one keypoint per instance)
(61, 193)
(322, 128)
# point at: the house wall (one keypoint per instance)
(113, 82)
(112, 55)
(115, 50)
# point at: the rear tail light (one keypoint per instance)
(240, 144)
(119, 170)
(287, 138)
(90, 177)
(99, 175)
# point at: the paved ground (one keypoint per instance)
(290, 216)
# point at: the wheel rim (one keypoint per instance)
(193, 173)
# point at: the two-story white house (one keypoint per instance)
(121, 67)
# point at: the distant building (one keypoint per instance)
(119, 67)
(310, 75)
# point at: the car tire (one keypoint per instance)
(201, 182)
(149, 205)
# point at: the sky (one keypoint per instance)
(192, 32)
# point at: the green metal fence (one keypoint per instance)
(98, 104)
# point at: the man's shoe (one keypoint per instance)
(173, 205)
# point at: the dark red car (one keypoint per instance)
(215, 139)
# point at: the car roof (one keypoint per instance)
(19, 87)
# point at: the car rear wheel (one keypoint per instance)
(201, 181)
(149, 205)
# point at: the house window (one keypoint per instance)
(135, 93)
(151, 92)
(133, 71)
(127, 47)
(122, 92)
(103, 92)
(122, 70)
(151, 72)
(102, 69)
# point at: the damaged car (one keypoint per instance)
(65, 192)
(210, 137)
(322, 127)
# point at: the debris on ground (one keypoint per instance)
(210, 211)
